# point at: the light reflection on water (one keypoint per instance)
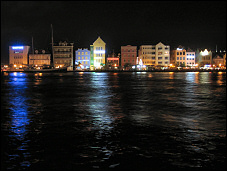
(114, 120)
(19, 114)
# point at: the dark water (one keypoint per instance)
(70, 121)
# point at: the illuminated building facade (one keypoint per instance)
(203, 57)
(147, 53)
(218, 61)
(98, 51)
(18, 56)
(63, 54)
(224, 59)
(190, 58)
(113, 60)
(155, 55)
(83, 57)
(178, 56)
(162, 54)
(128, 55)
(39, 58)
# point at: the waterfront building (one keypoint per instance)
(162, 54)
(178, 56)
(190, 58)
(224, 59)
(147, 54)
(83, 58)
(154, 55)
(218, 61)
(128, 55)
(18, 56)
(63, 54)
(113, 61)
(98, 51)
(39, 58)
(203, 57)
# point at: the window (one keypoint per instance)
(159, 62)
(159, 58)
(183, 58)
(166, 58)
(177, 58)
(153, 58)
(86, 53)
(177, 53)
(183, 53)
(82, 53)
(78, 53)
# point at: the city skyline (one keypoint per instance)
(190, 24)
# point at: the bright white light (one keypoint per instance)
(17, 47)
(179, 49)
(97, 64)
(99, 51)
(140, 62)
(205, 52)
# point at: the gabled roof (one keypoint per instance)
(99, 39)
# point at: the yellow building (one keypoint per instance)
(18, 56)
(99, 51)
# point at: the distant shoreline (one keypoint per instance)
(118, 71)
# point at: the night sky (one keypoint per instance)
(192, 24)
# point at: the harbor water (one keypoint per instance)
(108, 120)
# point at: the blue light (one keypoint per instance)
(17, 47)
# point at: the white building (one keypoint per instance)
(190, 58)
